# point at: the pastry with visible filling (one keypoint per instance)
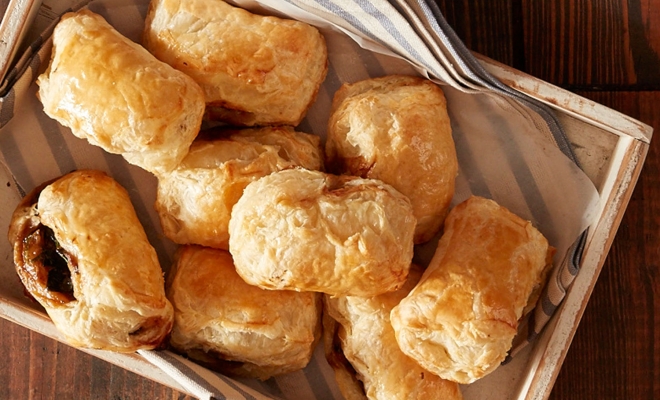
(361, 347)
(396, 129)
(235, 328)
(488, 270)
(254, 69)
(82, 253)
(195, 200)
(311, 231)
(114, 93)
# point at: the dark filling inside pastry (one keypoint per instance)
(43, 266)
(54, 257)
(43, 252)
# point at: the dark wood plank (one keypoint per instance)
(15, 365)
(3, 7)
(593, 44)
(599, 45)
(486, 27)
(37, 367)
(577, 44)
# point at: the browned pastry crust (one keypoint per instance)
(396, 129)
(255, 70)
(310, 231)
(361, 348)
(118, 96)
(195, 200)
(235, 328)
(81, 252)
(460, 320)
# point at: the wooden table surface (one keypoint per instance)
(607, 51)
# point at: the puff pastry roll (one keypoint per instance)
(460, 320)
(396, 129)
(362, 349)
(238, 329)
(195, 200)
(310, 231)
(115, 94)
(82, 253)
(255, 70)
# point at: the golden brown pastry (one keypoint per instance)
(396, 129)
(460, 320)
(362, 349)
(238, 329)
(310, 231)
(195, 200)
(81, 252)
(115, 94)
(255, 70)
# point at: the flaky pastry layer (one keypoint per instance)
(236, 328)
(460, 320)
(195, 200)
(109, 293)
(310, 231)
(396, 129)
(114, 93)
(255, 70)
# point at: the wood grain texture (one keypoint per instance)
(3, 6)
(596, 45)
(37, 367)
(589, 45)
(487, 27)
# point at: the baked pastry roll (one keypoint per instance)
(310, 231)
(195, 200)
(460, 320)
(81, 252)
(238, 329)
(255, 70)
(396, 129)
(115, 94)
(361, 347)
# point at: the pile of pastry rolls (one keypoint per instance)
(281, 237)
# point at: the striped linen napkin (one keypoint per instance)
(501, 136)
